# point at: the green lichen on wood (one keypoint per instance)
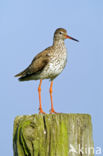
(52, 135)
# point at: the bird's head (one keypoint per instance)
(61, 34)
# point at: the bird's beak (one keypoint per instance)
(71, 38)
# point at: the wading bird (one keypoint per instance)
(48, 64)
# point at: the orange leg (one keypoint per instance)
(39, 91)
(52, 108)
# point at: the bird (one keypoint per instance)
(48, 64)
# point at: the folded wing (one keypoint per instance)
(37, 65)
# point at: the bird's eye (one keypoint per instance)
(60, 32)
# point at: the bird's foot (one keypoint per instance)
(41, 111)
(52, 111)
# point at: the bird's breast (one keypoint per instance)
(59, 58)
(56, 63)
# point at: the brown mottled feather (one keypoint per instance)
(37, 65)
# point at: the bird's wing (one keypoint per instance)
(37, 65)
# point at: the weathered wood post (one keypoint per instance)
(53, 135)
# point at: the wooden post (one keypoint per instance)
(53, 135)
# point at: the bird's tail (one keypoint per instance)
(22, 74)
(24, 78)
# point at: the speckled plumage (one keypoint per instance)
(49, 63)
(57, 56)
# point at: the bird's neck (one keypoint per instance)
(58, 43)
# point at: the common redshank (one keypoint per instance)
(48, 64)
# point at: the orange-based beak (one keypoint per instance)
(71, 38)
